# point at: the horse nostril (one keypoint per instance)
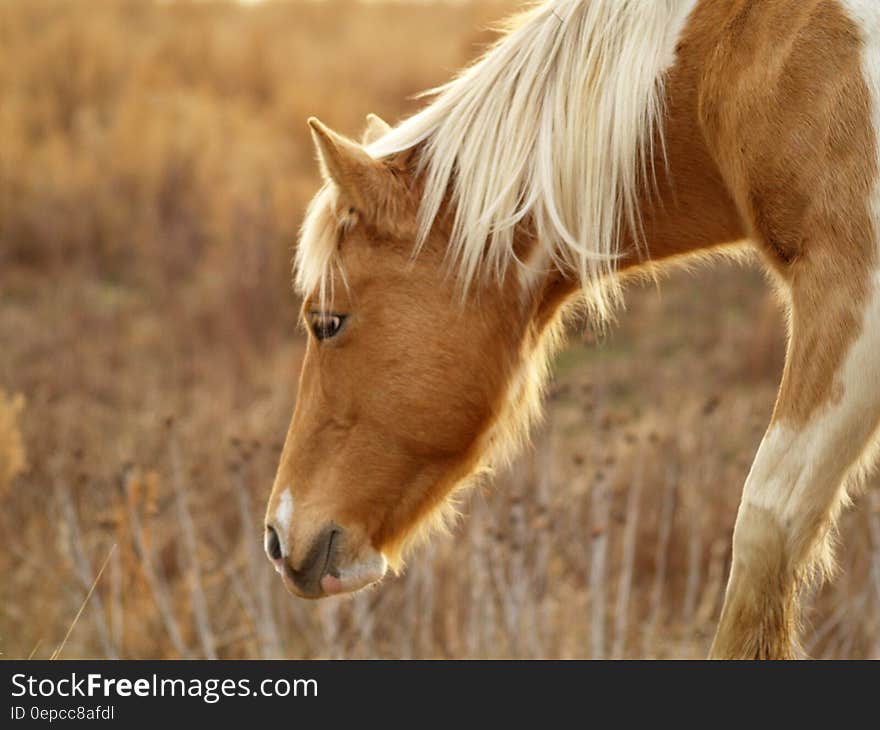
(273, 544)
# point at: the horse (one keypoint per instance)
(595, 141)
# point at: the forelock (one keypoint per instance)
(327, 219)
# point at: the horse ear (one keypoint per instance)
(360, 178)
(376, 128)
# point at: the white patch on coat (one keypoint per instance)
(796, 466)
(284, 511)
(283, 517)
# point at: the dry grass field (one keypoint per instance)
(154, 167)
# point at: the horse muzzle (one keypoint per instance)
(328, 567)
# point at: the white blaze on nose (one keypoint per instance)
(283, 515)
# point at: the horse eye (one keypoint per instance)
(325, 326)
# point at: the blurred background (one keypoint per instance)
(154, 168)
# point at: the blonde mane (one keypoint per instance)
(554, 126)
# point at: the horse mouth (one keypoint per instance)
(325, 572)
(355, 577)
(306, 580)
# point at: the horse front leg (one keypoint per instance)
(825, 416)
